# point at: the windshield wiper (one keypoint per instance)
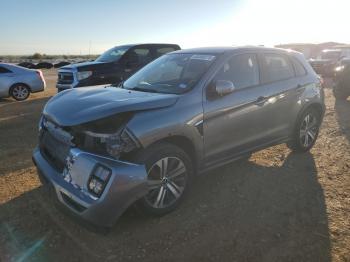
(142, 89)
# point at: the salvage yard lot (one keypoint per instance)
(277, 206)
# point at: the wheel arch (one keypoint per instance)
(183, 143)
(314, 105)
(19, 83)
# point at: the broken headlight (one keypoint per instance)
(113, 144)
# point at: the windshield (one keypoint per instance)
(331, 55)
(113, 54)
(173, 73)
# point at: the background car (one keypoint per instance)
(341, 88)
(112, 67)
(60, 64)
(27, 65)
(19, 82)
(44, 65)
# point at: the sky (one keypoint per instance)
(93, 26)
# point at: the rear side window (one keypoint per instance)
(241, 70)
(299, 68)
(164, 50)
(275, 67)
(4, 70)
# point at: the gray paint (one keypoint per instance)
(233, 125)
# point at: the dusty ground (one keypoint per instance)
(276, 207)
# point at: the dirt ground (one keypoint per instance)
(277, 206)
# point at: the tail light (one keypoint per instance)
(40, 74)
(321, 80)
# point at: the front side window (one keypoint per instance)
(241, 70)
(172, 73)
(143, 55)
(113, 55)
(275, 67)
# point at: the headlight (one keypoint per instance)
(83, 75)
(41, 122)
(99, 179)
(112, 144)
(339, 68)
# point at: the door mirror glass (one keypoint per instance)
(224, 87)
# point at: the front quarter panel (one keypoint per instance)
(182, 119)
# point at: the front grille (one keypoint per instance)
(53, 150)
(65, 78)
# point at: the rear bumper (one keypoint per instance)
(126, 185)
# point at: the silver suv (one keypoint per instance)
(143, 142)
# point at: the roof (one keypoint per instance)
(221, 50)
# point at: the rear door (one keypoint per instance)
(6, 79)
(282, 87)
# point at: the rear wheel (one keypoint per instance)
(169, 172)
(20, 92)
(306, 131)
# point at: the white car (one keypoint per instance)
(19, 82)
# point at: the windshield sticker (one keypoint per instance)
(203, 57)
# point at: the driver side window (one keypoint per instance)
(242, 70)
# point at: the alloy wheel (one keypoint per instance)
(308, 130)
(20, 92)
(166, 182)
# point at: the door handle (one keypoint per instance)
(261, 100)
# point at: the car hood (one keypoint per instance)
(85, 66)
(82, 105)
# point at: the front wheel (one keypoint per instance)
(306, 131)
(169, 172)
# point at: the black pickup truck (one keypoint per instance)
(112, 67)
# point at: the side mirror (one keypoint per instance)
(224, 87)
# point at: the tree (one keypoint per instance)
(37, 56)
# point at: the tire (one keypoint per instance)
(340, 94)
(166, 191)
(306, 131)
(20, 92)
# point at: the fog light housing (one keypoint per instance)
(98, 180)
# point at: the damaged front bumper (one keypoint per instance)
(128, 183)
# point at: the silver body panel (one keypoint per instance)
(20, 75)
(218, 130)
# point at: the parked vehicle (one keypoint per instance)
(326, 64)
(60, 64)
(341, 88)
(44, 65)
(27, 65)
(19, 82)
(111, 67)
(104, 148)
